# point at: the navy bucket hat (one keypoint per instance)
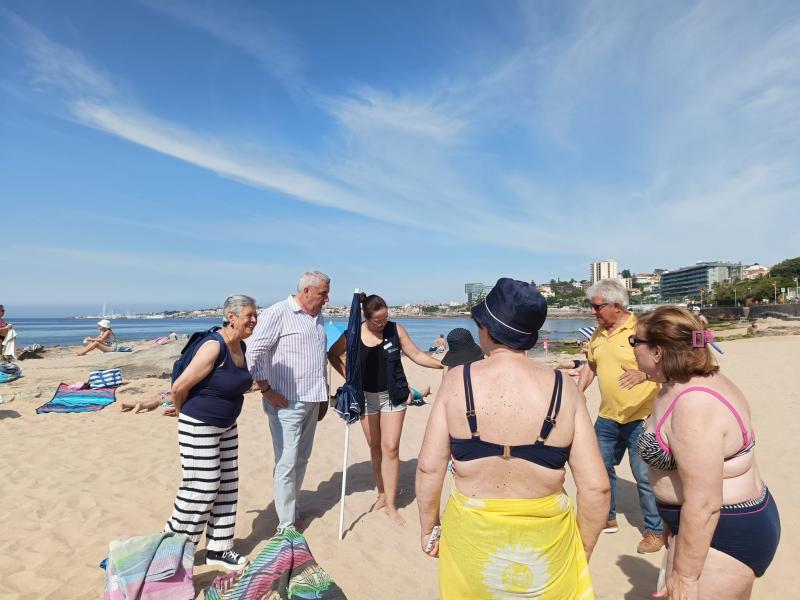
(512, 313)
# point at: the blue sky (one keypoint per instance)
(158, 154)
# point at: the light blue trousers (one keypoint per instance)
(292, 430)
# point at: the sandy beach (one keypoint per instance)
(71, 483)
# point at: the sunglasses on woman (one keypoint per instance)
(634, 341)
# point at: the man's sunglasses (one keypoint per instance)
(598, 307)
(634, 341)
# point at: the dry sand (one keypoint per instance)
(70, 483)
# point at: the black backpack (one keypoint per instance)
(187, 354)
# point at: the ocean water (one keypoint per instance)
(60, 331)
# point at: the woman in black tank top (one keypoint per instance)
(386, 393)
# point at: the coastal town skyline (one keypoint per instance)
(643, 284)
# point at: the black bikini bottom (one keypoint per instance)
(749, 532)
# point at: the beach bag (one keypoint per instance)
(124, 348)
(9, 372)
(107, 378)
(187, 354)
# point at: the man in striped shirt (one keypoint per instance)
(287, 356)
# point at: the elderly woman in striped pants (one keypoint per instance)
(208, 398)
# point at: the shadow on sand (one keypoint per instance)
(326, 497)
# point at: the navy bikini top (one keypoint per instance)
(552, 457)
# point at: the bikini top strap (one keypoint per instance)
(553, 410)
(471, 418)
(718, 396)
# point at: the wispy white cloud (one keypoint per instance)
(376, 111)
(242, 27)
(700, 119)
(57, 65)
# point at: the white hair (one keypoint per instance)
(610, 290)
(312, 279)
(234, 304)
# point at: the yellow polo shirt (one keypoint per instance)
(609, 353)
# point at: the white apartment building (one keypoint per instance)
(602, 269)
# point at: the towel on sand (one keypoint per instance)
(150, 567)
(283, 570)
(67, 400)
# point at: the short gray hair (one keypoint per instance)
(234, 304)
(312, 279)
(610, 290)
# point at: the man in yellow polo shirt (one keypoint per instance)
(626, 399)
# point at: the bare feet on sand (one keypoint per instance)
(392, 513)
(379, 503)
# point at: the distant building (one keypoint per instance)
(754, 271)
(602, 269)
(627, 282)
(546, 290)
(686, 282)
(476, 291)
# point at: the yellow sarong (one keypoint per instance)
(503, 548)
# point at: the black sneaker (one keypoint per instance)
(226, 558)
(418, 402)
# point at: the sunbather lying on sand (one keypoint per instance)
(147, 405)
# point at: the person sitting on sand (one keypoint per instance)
(463, 349)
(416, 396)
(386, 393)
(105, 342)
(4, 326)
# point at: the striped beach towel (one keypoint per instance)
(284, 569)
(157, 566)
(107, 378)
(67, 400)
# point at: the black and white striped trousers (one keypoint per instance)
(209, 490)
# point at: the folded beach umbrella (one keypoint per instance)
(350, 397)
(587, 332)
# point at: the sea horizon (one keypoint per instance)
(67, 331)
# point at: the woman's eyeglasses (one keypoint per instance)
(379, 322)
(634, 341)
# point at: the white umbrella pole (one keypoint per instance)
(344, 479)
(344, 468)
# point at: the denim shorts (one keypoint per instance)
(380, 402)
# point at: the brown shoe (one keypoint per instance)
(651, 542)
(611, 526)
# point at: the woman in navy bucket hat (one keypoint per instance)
(512, 313)
(511, 425)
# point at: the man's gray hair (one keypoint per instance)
(610, 290)
(312, 279)
(234, 304)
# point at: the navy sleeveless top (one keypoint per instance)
(552, 457)
(218, 399)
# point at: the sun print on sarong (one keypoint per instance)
(513, 570)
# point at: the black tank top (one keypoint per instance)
(373, 368)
